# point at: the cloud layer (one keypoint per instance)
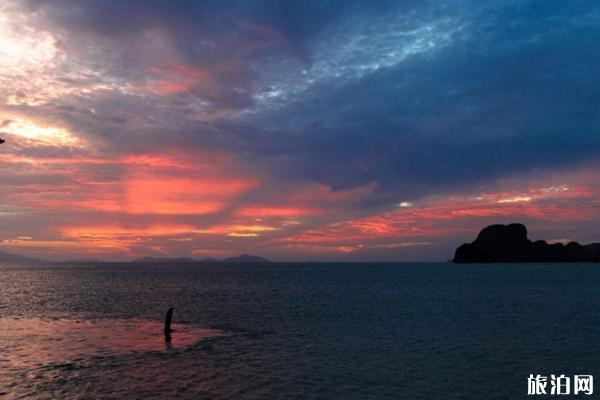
(321, 130)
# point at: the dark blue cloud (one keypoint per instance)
(515, 88)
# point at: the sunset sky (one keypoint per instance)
(317, 130)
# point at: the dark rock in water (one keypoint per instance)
(509, 243)
(594, 247)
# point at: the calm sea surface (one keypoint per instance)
(295, 331)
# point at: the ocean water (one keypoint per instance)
(295, 331)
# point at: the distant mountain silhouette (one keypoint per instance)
(245, 258)
(509, 243)
(163, 259)
(84, 260)
(240, 259)
(14, 258)
(209, 259)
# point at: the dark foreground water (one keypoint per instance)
(295, 331)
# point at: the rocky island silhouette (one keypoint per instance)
(509, 243)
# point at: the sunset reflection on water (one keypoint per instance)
(28, 342)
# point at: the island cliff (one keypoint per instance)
(509, 243)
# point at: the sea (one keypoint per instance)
(296, 330)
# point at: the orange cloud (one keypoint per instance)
(181, 184)
(114, 231)
(181, 196)
(237, 230)
(276, 212)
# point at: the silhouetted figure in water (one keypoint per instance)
(168, 329)
(2, 141)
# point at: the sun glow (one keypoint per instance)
(20, 46)
(46, 135)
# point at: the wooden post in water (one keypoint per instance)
(168, 329)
